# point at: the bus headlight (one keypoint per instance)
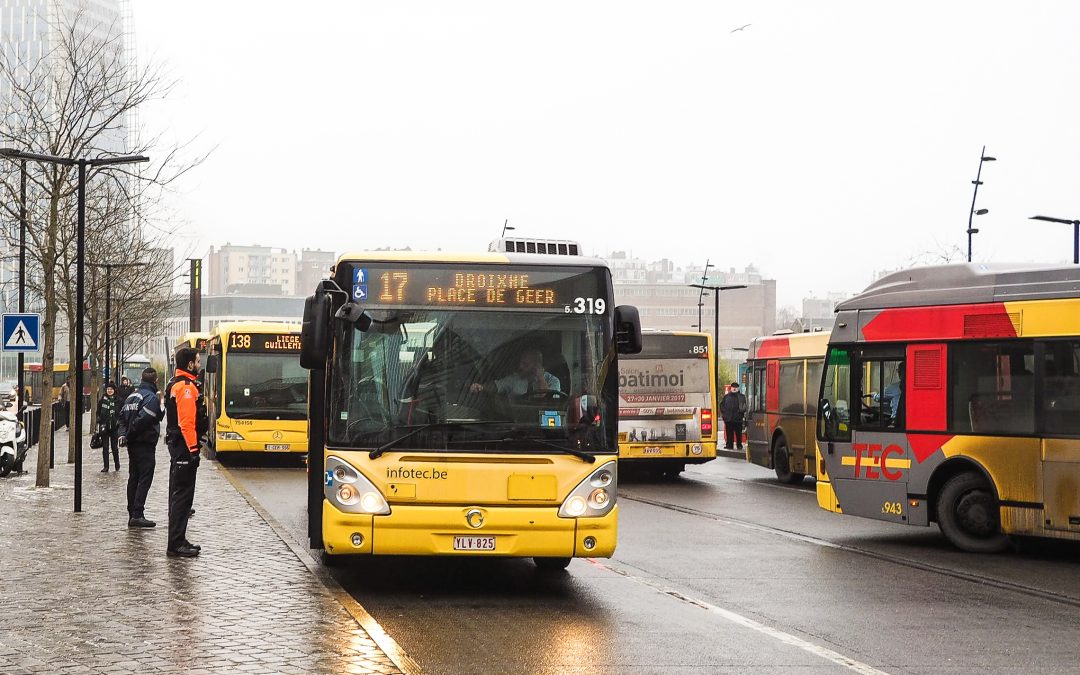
(598, 499)
(373, 502)
(229, 436)
(347, 495)
(350, 491)
(594, 496)
(575, 506)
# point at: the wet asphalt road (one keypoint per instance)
(724, 571)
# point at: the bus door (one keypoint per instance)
(861, 428)
(814, 368)
(1060, 403)
(757, 427)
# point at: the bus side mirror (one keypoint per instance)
(211, 363)
(627, 330)
(315, 332)
(828, 423)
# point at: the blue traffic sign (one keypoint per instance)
(22, 333)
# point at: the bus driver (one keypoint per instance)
(529, 377)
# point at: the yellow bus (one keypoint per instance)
(255, 389)
(197, 340)
(951, 394)
(785, 373)
(667, 402)
(465, 405)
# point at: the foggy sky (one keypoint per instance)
(824, 142)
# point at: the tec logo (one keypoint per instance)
(872, 461)
(329, 479)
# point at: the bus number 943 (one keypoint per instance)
(587, 306)
(893, 508)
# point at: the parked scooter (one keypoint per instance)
(12, 443)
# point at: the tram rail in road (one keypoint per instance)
(885, 557)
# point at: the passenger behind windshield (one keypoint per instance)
(530, 377)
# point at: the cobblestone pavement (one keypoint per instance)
(81, 593)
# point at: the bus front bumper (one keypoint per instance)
(283, 447)
(430, 530)
(692, 452)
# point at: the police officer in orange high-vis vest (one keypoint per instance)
(186, 422)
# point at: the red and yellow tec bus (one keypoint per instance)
(951, 394)
(61, 372)
(785, 374)
(667, 402)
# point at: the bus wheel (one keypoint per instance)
(7, 462)
(782, 463)
(551, 564)
(969, 515)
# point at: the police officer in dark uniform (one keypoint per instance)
(140, 428)
(186, 423)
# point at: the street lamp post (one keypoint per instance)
(80, 299)
(981, 212)
(701, 293)
(21, 377)
(1076, 233)
(716, 323)
(506, 226)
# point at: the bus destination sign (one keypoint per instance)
(264, 343)
(552, 289)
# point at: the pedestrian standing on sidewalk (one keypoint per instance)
(125, 389)
(140, 428)
(108, 421)
(186, 420)
(732, 410)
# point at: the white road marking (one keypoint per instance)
(747, 622)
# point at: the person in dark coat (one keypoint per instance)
(108, 423)
(124, 390)
(732, 410)
(140, 429)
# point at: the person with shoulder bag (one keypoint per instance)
(140, 428)
(108, 427)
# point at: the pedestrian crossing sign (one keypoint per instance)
(22, 333)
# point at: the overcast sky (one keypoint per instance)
(825, 141)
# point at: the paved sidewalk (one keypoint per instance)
(81, 593)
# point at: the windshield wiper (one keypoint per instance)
(377, 452)
(518, 439)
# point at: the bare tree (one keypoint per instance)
(939, 255)
(74, 101)
(786, 317)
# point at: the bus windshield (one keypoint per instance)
(265, 386)
(473, 381)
